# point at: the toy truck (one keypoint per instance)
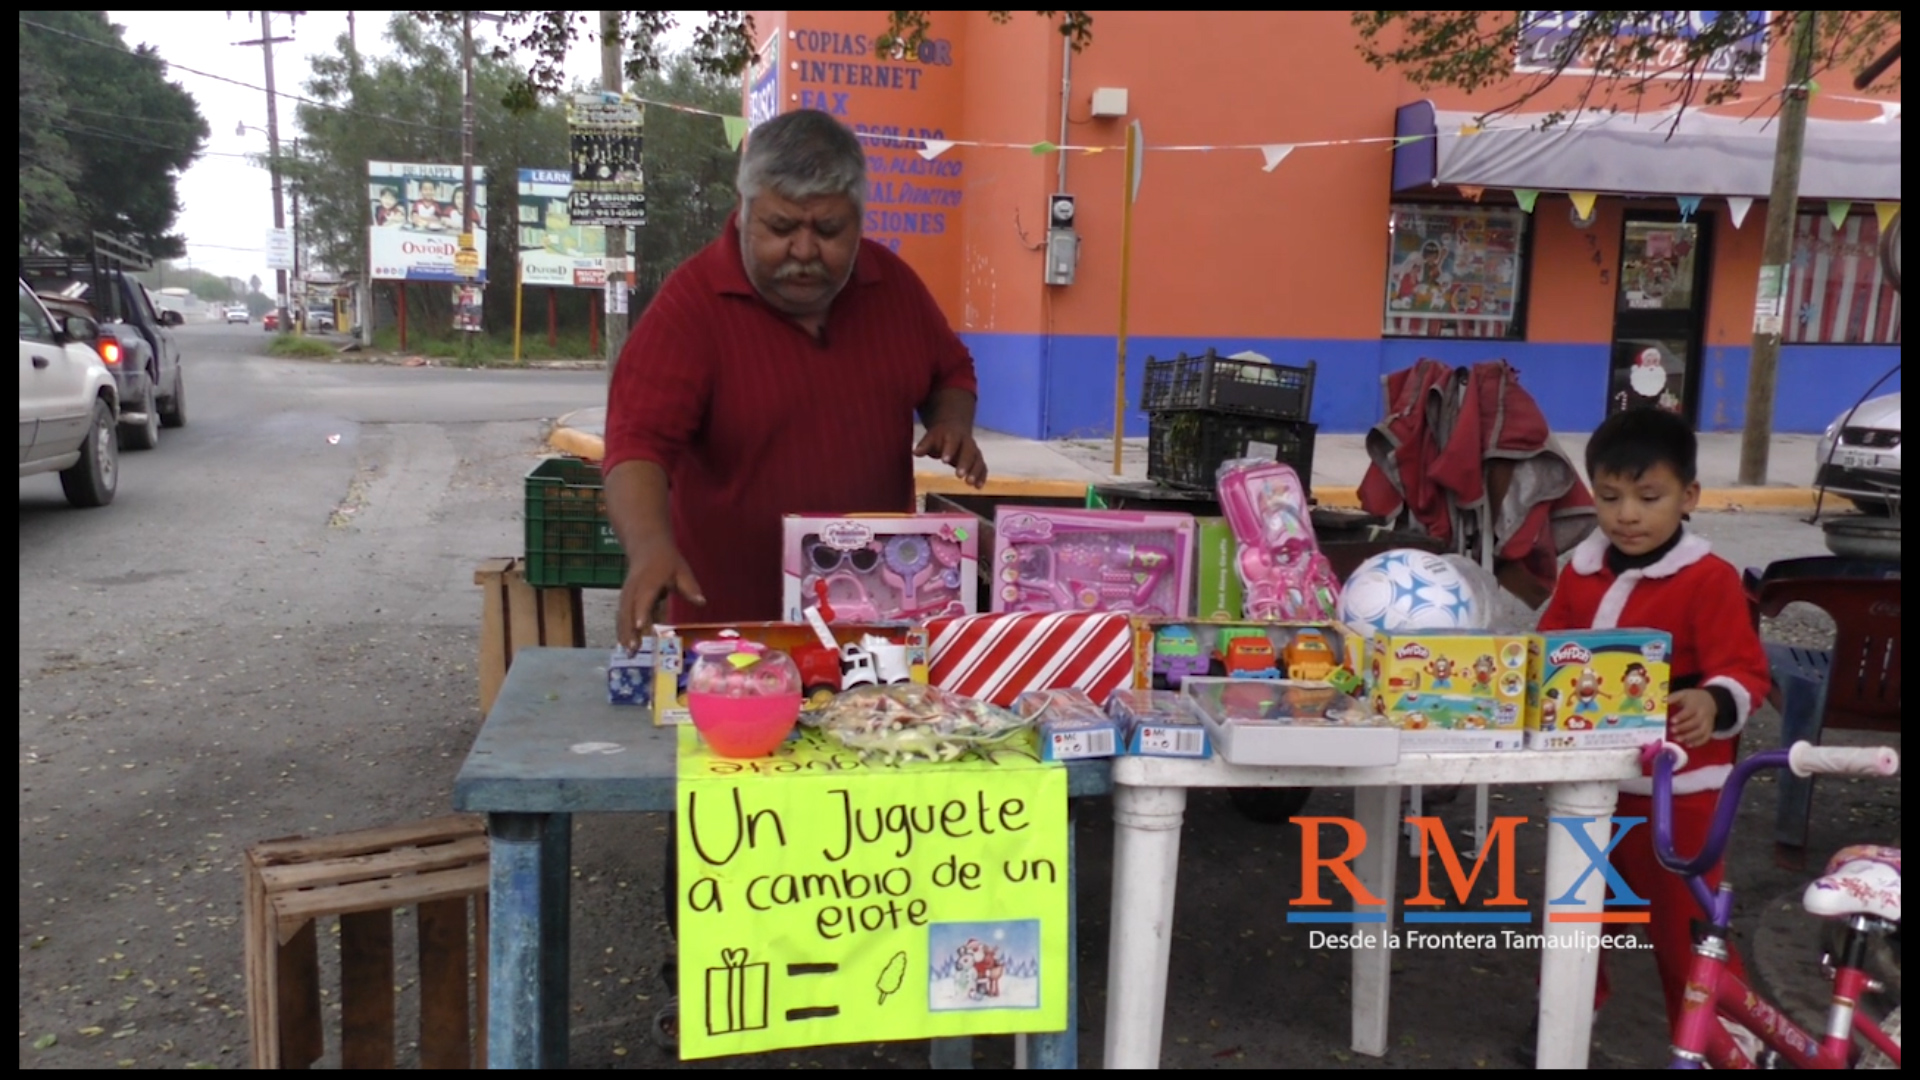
(1308, 657)
(1250, 658)
(1176, 655)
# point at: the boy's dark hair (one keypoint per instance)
(1629, 443)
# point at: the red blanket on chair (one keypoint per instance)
(1465, 454)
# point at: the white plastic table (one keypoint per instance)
(1149, 801)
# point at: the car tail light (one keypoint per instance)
(110, 352)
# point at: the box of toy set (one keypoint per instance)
(1281, 722)
(1054, 560)
(1217, 590)
(1071, 726)
(630, 675)
(1159, 723)
(881, 568)
(1451, 689)
(830, 658)
(1166, 651)
(999, 657)
(1597, 688)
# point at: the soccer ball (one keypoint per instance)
(1406, 589)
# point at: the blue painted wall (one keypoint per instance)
(1062, 387)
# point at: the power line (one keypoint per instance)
(250, 86)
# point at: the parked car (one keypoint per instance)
(271, 320)
(1859, 456)
(69, 405)
(238, 313)
(320, 320)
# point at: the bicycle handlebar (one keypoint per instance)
(1804, 758)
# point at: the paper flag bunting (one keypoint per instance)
(1472, 191)
(1275, 154)
(1889, 111)
(934, 148)
(1139, 138)
(1040, 148)
(1837, 211)
(1688, 205)
(1470, 129)
(1092, 149)
(1583, 202)
(1737, 207)
(1526, 197)
(1402, 140)
(1884, 211)
(736, 130)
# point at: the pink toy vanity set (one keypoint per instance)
(1286, 577)
(1049, 560)
(882, 568)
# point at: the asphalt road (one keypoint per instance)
(272, 632)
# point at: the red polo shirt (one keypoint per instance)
(752, 418)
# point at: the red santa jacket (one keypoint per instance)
(1694, 595)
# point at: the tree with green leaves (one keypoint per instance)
(1627, 54)
(104, 136)
(723, 42)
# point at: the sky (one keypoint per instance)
(227, 201)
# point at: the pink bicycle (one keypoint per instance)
(1861, 885)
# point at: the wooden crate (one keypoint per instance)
(515, 615)
(435, 867)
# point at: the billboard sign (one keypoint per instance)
(609, 181)
(553, 250)
(1560, 41)
(415, 216)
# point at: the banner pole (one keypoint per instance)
(1129, 185)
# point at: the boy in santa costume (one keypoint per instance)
(1645, 569)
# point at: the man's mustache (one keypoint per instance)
(790, 270)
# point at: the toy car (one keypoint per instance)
(1309, 658)
(1176, 655)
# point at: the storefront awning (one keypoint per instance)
(1634, 155)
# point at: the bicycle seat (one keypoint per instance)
(1862, 879)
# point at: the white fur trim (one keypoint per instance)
(1708, 778)
(1590, 555)
(1607, 615)
(1742, 704)
(1691, 549)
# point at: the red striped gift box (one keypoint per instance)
(998, 657)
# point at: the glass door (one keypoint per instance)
(1658, 314)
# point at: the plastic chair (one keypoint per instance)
(1853, 686)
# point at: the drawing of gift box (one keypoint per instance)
(736, 994)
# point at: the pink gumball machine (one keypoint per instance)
(744, 697)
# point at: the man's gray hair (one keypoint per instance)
(804, 154)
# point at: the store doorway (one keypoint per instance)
(1659, 315)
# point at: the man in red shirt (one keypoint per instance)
(777, 372)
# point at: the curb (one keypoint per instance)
(586, 445)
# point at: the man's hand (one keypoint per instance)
(1690, 716)
(953, 443)
(652, 572)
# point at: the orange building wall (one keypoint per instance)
(1222, 251)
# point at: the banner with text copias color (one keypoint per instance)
(825, 900)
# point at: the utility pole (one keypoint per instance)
(266, 43)
(610, 53)
(1776, 251)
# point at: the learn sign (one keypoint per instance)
(825, 900)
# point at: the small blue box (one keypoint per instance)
(630, 675)
(1071, 725)
(1159, 723)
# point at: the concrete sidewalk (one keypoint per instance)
(1032, 467)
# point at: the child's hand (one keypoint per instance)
(1690, 716)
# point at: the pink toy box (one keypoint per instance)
(1053, 560)
(882, 567)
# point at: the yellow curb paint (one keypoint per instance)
(591, 447)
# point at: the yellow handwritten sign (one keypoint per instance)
(824, 900)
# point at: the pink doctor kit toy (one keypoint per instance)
(1053, 560)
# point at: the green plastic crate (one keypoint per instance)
(570, 541)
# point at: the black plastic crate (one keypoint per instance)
(570, 541)
(1186, 449)
(1226, 384)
